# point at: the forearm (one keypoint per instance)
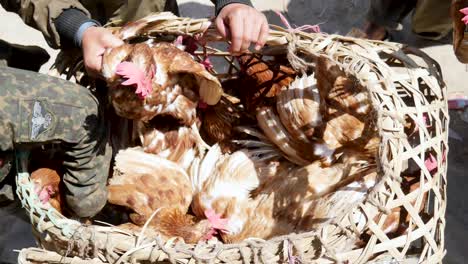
(41, 15)
(219, 4)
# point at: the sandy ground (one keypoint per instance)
(334, 16)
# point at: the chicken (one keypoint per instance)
(342, 91)
(345, 130)
(261, 82)
(254, 196)
(168, 81)
(172, 223)
(48, 187)
(299, 108)
(169, 86)
(292, 126)
(158, 191)
(399, 221)
(222, 184)
(145, 182)
(219, 121)
(356, 174)
(164, 137)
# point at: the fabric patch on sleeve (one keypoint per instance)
(41, 120)
(37, 121)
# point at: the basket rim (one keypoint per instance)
(318, 43)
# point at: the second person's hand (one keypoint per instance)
(242, 25)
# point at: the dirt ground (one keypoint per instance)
(334, 16)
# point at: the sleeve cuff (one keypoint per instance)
(219, 4)
(79, 33)
(71, 25)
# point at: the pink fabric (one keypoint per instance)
(458, 103)
(431, 163)
(136, 77)
(305, 28)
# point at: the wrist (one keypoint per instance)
(70, 26)
(78, 39)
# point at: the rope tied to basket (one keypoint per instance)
(305, 28)
(297, 62)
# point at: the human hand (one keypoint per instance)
(243, 25)
(94, 43)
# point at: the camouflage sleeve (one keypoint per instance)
(41, 14)
(37, 109)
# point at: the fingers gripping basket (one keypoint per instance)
(405, 86)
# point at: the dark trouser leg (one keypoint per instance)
(15, 231)
(431, 19)
(389, 13)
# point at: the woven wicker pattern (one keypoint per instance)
(405, 86)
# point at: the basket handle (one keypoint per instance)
(433, 66)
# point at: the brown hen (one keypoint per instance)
(341, 90)
(254, 197)
(261, 82)
(157, 191)
(48, 187)
(168, 81)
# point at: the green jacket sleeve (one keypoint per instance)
(41, 14)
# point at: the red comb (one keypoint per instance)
(44, 194)
(179, 40)
(136, 77)
(207, 64)
(217, 223)
(465, 12)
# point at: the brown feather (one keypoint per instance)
(44, 177)
(341, 90)
(219, 121)
(144, 183)
(261, 81)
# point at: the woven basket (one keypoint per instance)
(404, 84)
